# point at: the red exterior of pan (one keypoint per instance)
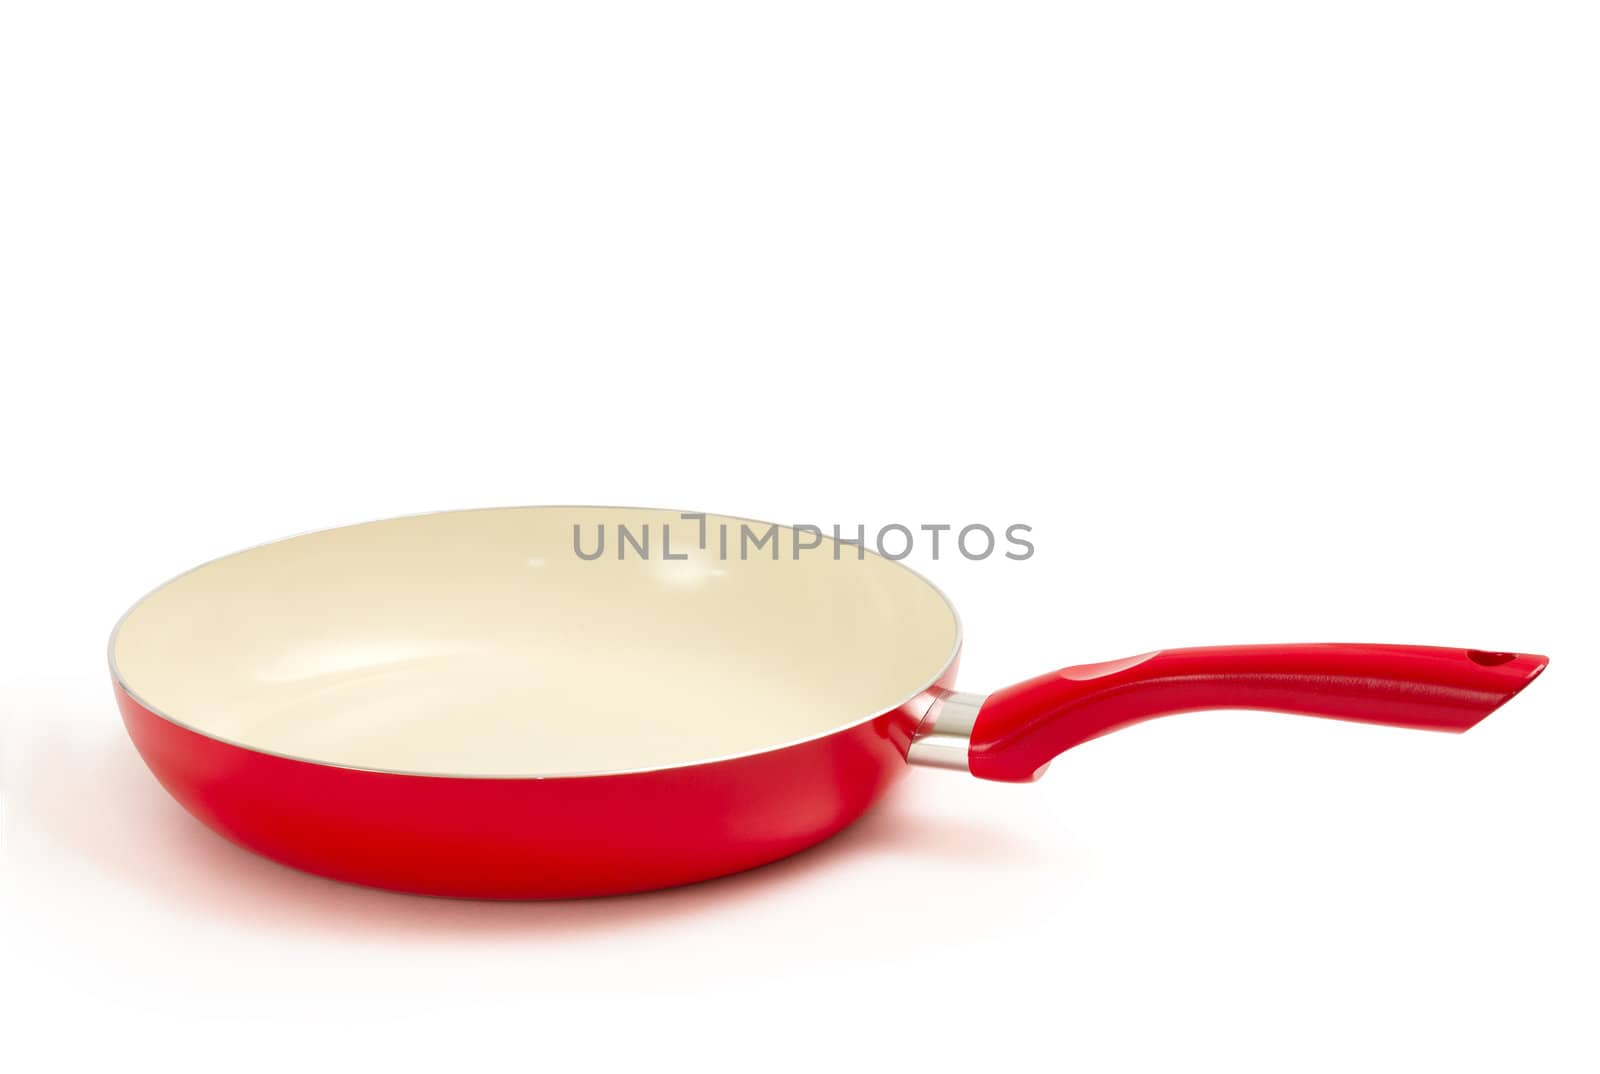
(545, 838)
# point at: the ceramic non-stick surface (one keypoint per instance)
(478, 643)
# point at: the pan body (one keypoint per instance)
(527, 838)
(446, 705)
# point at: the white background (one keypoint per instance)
(1275, 321)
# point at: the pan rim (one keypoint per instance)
(123, 685)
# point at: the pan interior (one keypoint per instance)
(478, 643)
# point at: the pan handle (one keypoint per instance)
(1013, 734)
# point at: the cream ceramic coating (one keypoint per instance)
(477, 643)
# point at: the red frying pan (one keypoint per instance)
(458, 704)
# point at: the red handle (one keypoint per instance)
(1021, 728)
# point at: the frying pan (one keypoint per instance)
(457, 704)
